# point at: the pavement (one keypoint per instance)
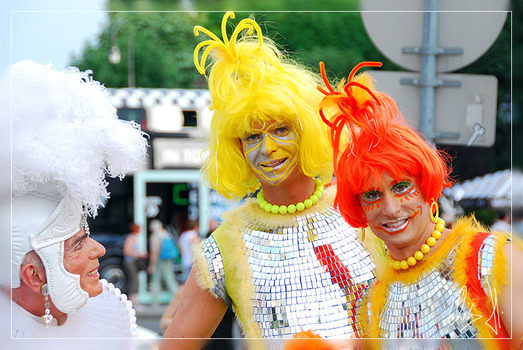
(148, 316)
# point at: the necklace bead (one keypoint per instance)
(424, 249)
(291, 208)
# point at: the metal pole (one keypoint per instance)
(428, 69)
(131, 80)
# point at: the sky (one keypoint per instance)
(47, 32)
(52, 37)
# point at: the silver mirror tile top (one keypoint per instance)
(308, 275)
(485, 262)
(214, 260)
(431, 307)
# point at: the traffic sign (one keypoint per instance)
(464, 114)
(466, 28)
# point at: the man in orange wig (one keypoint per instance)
(436, 282)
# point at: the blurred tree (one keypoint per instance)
(517, 8)
(337, 38)
(161, 48)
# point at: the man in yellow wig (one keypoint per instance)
(285, 260)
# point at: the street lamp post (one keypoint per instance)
(115, 56)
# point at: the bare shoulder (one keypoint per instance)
(199, 312)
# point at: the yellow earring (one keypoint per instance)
(434, 208)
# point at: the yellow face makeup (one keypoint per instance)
(272, 151)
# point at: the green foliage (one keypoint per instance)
(337, 38)
(163, 44)
(485, 216)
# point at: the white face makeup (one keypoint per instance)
(272, 151)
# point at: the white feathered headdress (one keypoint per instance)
(65, 130)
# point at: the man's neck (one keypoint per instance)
(291, 191)
(34, 303)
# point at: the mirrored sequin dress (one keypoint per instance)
(287, 273)
(448, 296)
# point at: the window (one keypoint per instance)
(190, 119)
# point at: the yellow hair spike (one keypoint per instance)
(249, 24)
(228, 46)
(201, 67)
(228, 14)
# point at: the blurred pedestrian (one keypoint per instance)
(133, 260)
(502, 223)
(163, 254)
(188, 239)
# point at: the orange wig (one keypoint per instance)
(379, 141)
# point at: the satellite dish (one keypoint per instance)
(472, 25)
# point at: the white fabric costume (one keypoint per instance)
(108, 315)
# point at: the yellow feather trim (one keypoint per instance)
(363, 316)
(203, 275)
(235, 255)
(374, 246)
(237, 271)
(410, 275)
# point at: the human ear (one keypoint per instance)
(33, 277)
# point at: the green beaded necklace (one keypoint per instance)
(284, 209)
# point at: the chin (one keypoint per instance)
(95, 290)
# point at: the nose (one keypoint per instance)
(97, 249)
(391, 205)
(269, 144)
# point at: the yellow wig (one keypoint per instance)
(250, 82)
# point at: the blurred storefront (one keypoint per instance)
(490, 191)
(169, 187)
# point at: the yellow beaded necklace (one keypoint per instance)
(284, 209)
(425, 248)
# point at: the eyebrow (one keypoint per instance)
(79, 239)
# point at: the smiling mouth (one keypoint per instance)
(274, 164)
(93, 273)
(396, 226)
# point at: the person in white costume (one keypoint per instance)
(66, 137)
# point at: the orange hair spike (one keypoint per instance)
(361, 65)
(324, 78)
